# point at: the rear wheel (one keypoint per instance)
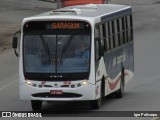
(36, 105)
(119, 93)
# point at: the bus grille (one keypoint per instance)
(64, 95)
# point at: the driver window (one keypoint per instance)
(97, 50)
(97, 36)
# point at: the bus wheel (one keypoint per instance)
(119, 93)
(36, 105)
(97, 103)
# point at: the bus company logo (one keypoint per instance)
(6, 114)
(43, 83)
(119, 59)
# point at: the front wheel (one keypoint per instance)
(36, 105)
(96, 104)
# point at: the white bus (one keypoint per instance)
(77, 53)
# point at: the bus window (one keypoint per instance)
(104, 36)
(110, 35)
(97, 35)
(97, 55)
(123, 30)
(127, 29)
(101, 34)
(107, 36)
(118, 32)
(113, 35)
(131, 27)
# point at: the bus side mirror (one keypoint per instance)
(15, 42)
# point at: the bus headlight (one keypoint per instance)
(28, 82)
(85, 82)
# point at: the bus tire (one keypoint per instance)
(96, 104)
(36, 105)
(120, 93)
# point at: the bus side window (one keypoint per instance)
(97, 36)
(131, 23)
(123, 30)
(104, 36)
(127, 29)
(110, 35)
(100, 31)
(97, 55)
(118, 32)
(109, 41)
(101, 34)
(107, 35)
(113, 35)
(97, 32)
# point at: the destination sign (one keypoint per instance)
(66, 25)
(56, 25)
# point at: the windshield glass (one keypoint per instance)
(57, 53)
(56, 50)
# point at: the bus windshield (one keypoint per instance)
(57, 53)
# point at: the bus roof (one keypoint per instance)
(90, 11)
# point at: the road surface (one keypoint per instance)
(141, 94)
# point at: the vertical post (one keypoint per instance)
(59, 3)
(106, 1)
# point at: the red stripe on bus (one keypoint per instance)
(112, 86)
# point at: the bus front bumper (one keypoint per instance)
(82, 93)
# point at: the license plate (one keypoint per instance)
(56, 92)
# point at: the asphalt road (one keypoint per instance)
(141, 94)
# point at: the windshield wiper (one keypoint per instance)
(65, 47)
(45, 47)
